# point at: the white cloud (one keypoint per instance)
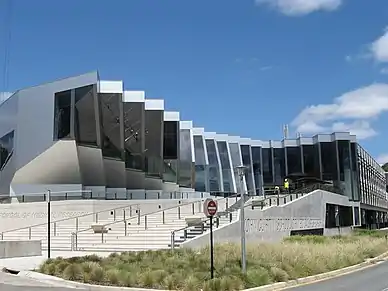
(351, 112)
(379, 48)
(382, 159)
(384, 71)
(301, 7)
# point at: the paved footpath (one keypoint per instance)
(370, 279)
(14, 283)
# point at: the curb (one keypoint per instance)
(59, 282)
(321, 277)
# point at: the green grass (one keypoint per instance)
(184, 269)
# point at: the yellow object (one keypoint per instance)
(286, 184)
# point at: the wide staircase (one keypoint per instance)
(129, 228)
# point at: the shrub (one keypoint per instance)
(185, 269)
(73, 272)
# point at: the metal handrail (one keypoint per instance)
(74, 235)
(139, 215)
(70, 218)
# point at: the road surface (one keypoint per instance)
(370, 279)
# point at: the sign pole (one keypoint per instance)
(210, 210)
(211, 249)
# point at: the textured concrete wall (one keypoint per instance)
(13, 249)
(274, 223)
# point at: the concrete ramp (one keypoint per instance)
(19, 248)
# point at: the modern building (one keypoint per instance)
(83, 133)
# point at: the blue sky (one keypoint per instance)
(241, 67)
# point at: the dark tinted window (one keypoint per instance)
(246, 157)
(200, 165)
(62, 113)
(85, 117)
(267, 166)
(170, 143)
(214, 173)
(256, 160)
(225, 166)
(294, 160)
(133, 134)
(329, 161)
(154, 142)
(110, 124)
(185, 159)
(6, 148)
(279, 165)
(311, 160)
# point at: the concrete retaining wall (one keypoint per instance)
(14, 249)
(274, 223)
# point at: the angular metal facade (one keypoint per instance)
(95, 134)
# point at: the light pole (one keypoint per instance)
(241, 172)
(48, 198)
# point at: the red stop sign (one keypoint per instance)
(211, 208)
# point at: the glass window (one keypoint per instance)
(185, 159)
(109, 105)
(279, 166)
(267, 167)
(214, 173)
(294, 160)
(246, 157)
(256, 160)
(235, 157)
(329, 161)
(6, 148)
(345, 172)
(133, 134)
(170, 151)
(311, 160)
(225, 166)
(84, 116)
(62, 115)
(200, 165)
(170, 143)
(153, 142)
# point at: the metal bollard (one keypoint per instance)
(125, 228)
(163, 217)
(285, 200)
(138, 217)
(192, 208)
(96, 217)
(114, 215)
(179, 212)
(277, 201)
(124, 214)
(55, 229)
(185, 234)
(145, 222)
(130, 210)
(102, 237)
(230, 217)
(76, 224)
(29, 233)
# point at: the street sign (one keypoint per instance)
(210, 207)
(210, 210)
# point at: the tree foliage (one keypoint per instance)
(385, 167)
